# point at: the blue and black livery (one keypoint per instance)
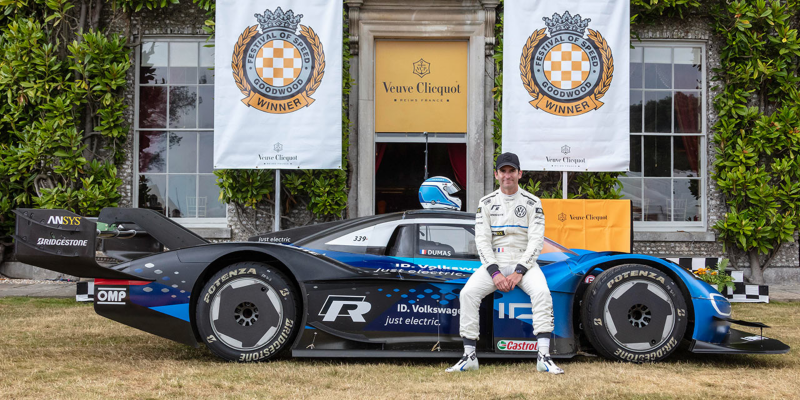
(378, 286)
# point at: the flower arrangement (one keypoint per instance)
(716, 276)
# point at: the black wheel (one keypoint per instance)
(634, 313)
(247, 312)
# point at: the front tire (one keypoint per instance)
(247, 312)
(634, 313)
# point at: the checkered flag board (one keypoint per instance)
(566, 85)
(741, 292)
(84, 291)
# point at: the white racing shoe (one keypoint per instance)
(545, 364)
(469, 362)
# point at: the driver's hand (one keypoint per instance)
(513, 280)
(501, 282)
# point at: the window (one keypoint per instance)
(666, 182)
(175, 131)
(402, 242)
(447, 241)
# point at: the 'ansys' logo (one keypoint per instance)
(277, 69)
(565, 73)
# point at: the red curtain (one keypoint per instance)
(380, 148)
(691, 143)
(458, 160)
(687, 113)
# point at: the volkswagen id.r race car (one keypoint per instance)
(377, 286)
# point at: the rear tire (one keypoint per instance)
(247, 312)
(634, 313)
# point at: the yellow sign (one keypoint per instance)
(598, 225)
(420, 86)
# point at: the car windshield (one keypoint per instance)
(553, 252)
(551, 246)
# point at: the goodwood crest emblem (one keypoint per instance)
(278, 70)
(565, 73)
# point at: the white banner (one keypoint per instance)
(278, 84)
(566, 84)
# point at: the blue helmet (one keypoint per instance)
(437, 193)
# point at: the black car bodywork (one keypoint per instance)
(379, 286)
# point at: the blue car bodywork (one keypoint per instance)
(377, 286)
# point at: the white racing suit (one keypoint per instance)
(509, 230)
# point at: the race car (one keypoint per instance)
(377, 286)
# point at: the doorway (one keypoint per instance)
(400, 170)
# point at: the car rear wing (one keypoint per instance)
(65, 242)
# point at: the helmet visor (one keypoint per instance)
(451, 188)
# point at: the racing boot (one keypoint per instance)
(469, 362)
(545, 364)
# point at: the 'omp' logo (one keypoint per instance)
(564, 73)
(345, 306)
(56, 220)
(278, 70)
(111, 296)
(517, 345)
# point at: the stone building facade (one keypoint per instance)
(179, 27)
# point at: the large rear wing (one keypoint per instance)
(65, 242)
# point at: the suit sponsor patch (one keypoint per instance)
(539, 210)
(498, 233)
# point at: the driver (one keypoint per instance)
(509, 234)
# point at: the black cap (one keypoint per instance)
(507, 159)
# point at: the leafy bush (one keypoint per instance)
(758, 131)
(62, 128)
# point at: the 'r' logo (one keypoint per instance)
(345, 306)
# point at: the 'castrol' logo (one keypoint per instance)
(517, 345)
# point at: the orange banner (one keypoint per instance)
(598, 225)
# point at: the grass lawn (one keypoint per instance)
(53, 349)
